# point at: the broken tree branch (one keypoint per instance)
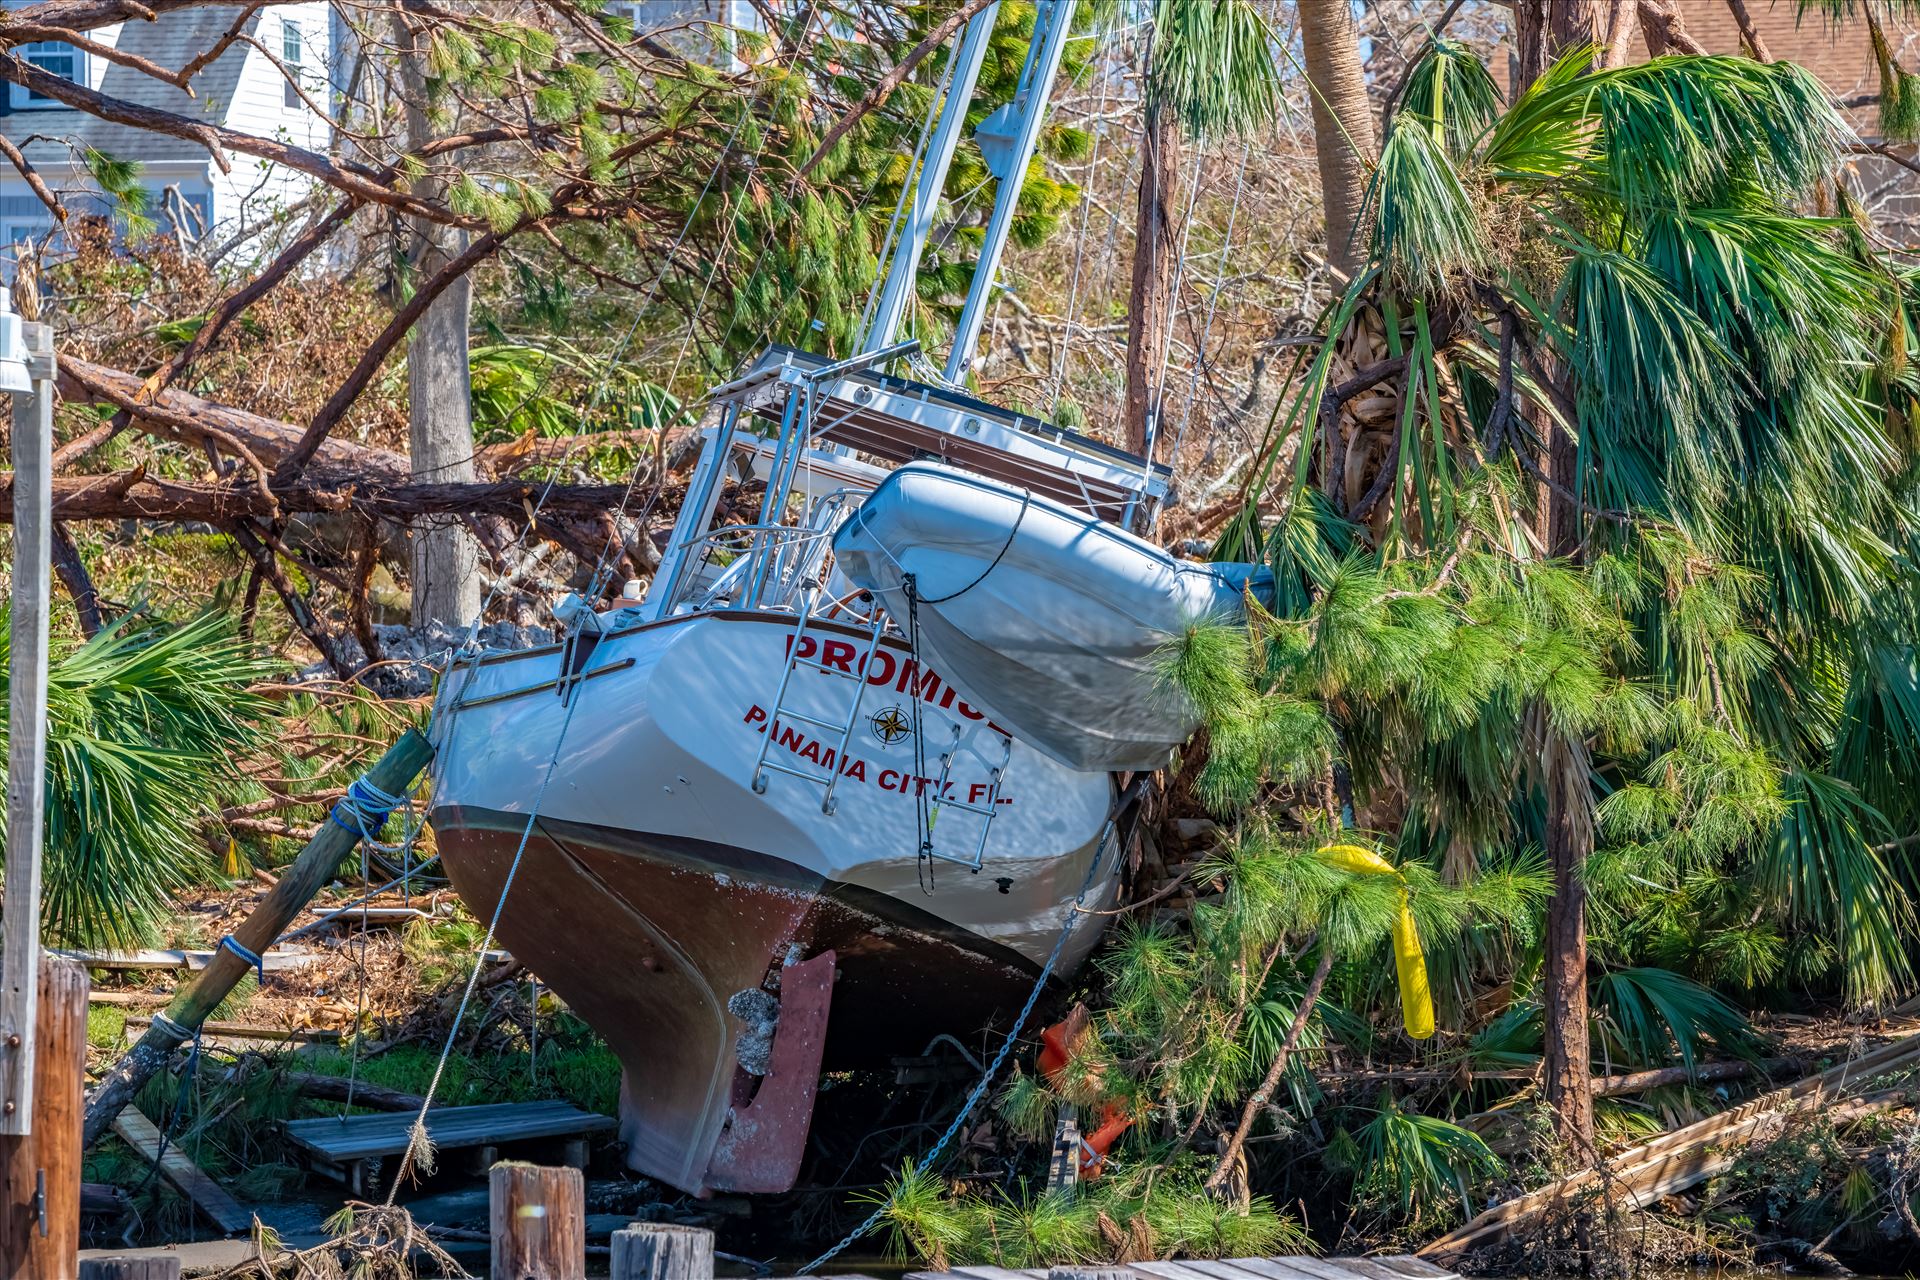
(382, 346)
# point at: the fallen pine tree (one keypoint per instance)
(1684, 1157)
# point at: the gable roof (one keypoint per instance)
(171, 41)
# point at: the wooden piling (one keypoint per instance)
(660, 1251)
(539, 1222)
(393, 774)
(26, 734)
(40, 1170)
(152, 1266)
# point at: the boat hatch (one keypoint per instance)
(897, 421)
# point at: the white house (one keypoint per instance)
(249, 88)
(244, 89)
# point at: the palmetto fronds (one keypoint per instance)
(1421, 1166)
(144, 721)
(1620, 258)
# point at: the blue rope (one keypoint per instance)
(364, 810)
(231, 943)
(993, 1068)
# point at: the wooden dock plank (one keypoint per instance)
(986, 1273)
(139, 1133)
(1338, 1268)
(347, 1138)
(1348, 1268)
(1273, 1268)
(1415, 1268)
(1167, 1271)
(1223, 1270)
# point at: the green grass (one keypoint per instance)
(577, 1067)
(106, 1025)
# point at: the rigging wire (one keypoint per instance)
(1213, 305)
(1080, 237)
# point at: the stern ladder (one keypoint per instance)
(855, 671)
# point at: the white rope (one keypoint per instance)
(1213, 305)
(419, 1146)
(1080, 238)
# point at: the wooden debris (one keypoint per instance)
(393, 774)
(130, 999)
(351, 1148)
(276, 961)
(103, 1200)
(1688, 1155)
(212, 1199)
(371, 1096)
(248, 1031)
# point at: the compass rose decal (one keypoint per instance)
(890, 724)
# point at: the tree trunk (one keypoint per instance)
(1344, 138)
(1156, 251)
(1543, 30)
(446, 557)
(1567, 1053)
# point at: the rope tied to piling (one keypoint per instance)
(364, 811)
(252, 959)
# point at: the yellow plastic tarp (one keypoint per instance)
(1409, 962)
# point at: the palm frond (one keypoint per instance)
(1214, 67)
(144, 723)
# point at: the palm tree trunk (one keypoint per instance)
(1567, 1053)
(1344, 139)
(1155, 254)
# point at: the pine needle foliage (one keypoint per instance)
(1020, 1228)
(1625, 256)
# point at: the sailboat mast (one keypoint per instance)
(933, 177)
(1029, 107)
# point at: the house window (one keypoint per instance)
(57, 58)
(292, 52)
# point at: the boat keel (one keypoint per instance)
(761, 1147)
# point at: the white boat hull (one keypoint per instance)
(657, 883)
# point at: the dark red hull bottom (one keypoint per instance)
(648, 937)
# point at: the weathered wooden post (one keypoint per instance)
(659, 1251)
(392, 775)
(538, 1217)
(152, 1266)
(26, 365)
(40, 1171)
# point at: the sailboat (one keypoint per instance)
(830, 789)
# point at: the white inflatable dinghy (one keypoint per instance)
(1047, 618)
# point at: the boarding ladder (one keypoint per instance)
(985, 808)
(856, 672)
